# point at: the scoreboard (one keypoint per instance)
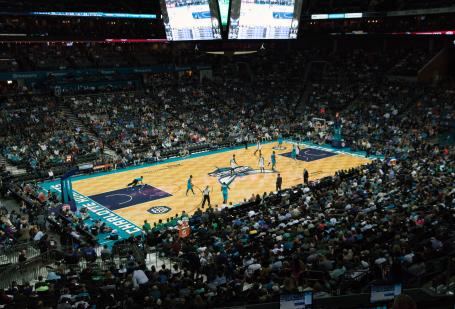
(264, 19)
(188, 20)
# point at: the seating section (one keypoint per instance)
(386, 222)
(375, 223)
(159, 119)
(411, 63)
(36, 135)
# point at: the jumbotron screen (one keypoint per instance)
(188, 20)
(264, 19)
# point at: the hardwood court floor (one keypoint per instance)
(172, 177)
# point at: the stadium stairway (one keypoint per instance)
(72, 118)
(245, 71)
(10, 255)
(310, 75)
(313, 68)
(42, 265)
(13, 170)
(153, 258)
(2, 160)
(447, 138)
(9, 252)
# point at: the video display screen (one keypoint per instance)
(189, 20)
(380, 293)
(264, 19)
(302, 300)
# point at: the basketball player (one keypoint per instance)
(225, 190)
(294, 152)
(136, 181)
(273, 160)
(258, 147)
(189, 185)
(280, 140)
(261, 163)
(233, 164)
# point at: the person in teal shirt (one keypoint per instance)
(136, 181)
(294, 152)
(189, 185)
(225, 189)
(280, 140)
(147, 228)
(273, 160)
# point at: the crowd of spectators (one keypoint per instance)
(379, 222)
(19, 24)
(411, 64)
(121, 6)
(34, 133)
(384, 222)
(28, 224)
(140, 123)
(164, 116)
(83, 28)
(58, 56)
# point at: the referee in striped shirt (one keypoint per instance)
(206, 194)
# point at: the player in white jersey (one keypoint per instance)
(258, 147)
(261, 163)
(234, 164)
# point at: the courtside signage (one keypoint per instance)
(98, 211)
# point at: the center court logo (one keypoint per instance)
(226, 177)
(159, 210)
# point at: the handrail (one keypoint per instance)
(69, 96)
(11, 254)
(27, 270)
(16, 247)
(138, 254)
(420, 296)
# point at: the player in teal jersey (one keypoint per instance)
(273, 160)
(136, 181)
(294, 152)
(189, 185)
(280, 140)
(225, 190)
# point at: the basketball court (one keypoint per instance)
(163, 194)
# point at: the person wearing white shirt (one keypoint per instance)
(139, 278)
(38, 236)
(206, 194)
(233, 164)
(258, 147)
(252, 268)
(261, 163)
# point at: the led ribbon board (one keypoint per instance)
(96, 14)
